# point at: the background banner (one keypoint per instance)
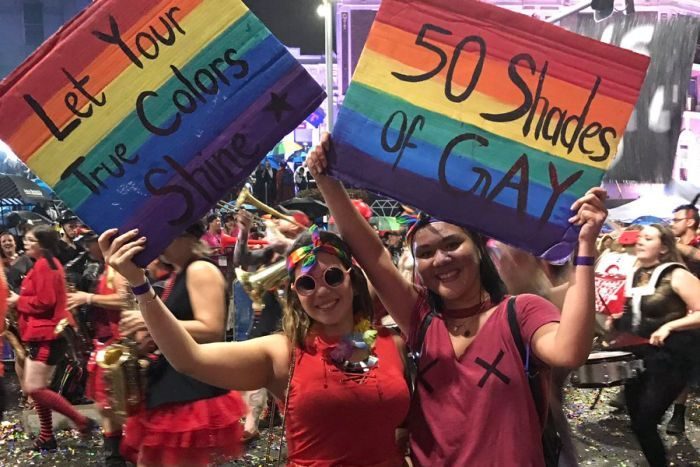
(145, 113)
(485, 118)
(649, 146)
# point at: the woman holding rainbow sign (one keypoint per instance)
(473, 404)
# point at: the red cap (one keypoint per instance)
(362, 207)
(628, 237)
(301, 218)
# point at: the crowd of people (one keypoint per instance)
(431, 345)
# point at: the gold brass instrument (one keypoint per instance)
(126, 376)
(125, 371)
(245, 197)
(257, 283)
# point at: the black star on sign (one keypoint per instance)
(278, 104)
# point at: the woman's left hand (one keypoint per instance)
(660, 336)
(119, 253)
(12, 299)
(131, 322)
(590, 214)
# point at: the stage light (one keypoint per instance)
(322, 9)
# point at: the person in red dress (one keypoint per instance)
(41, 305)
(342, 380)
(473, 403)
(185, 421)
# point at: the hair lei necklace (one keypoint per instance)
(354, 352)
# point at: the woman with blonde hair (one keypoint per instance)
(662, 306)
(341, 381)
(185, 421)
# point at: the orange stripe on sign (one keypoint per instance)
(399, 45)
(32, 133)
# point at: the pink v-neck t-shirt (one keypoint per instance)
(477, 409)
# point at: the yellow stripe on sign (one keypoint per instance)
(202, 26)
(431, 96)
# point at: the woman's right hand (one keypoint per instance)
(316, 161)
(119, 253)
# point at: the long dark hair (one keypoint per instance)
(491, 281)
(296, 322)
(49, 241)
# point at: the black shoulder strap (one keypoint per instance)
(415, 351)
(515, 331)
(532, 379)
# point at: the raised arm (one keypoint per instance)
(240, 366)
(568, 343)
(398, 295)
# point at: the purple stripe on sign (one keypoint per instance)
(458, 207)
(225, 163)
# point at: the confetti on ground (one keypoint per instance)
(602, 437)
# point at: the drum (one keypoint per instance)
(607, 369)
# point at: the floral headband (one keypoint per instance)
(306, 255)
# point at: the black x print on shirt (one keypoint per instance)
(491, 369)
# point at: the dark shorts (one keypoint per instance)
(48, 352)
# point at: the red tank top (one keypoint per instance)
(337, 418)
(105, 322)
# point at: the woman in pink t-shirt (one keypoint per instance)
(473, 404)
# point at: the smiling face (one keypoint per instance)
(329, 307)
(7, 243)
(447, 262)
(649, 247)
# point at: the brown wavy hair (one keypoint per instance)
(668, 240)
(295, 321)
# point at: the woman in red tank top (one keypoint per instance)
(342, 380)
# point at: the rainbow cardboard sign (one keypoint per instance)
(145, 113)
(485, 118)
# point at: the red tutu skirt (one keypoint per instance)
(189, 433)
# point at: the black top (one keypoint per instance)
(657, 309)
(67, 252)
(166, 385)
(17, 271)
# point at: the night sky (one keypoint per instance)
(294, 22)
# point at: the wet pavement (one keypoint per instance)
(602, 437)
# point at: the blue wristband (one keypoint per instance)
(141, 289)
(584, 260)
